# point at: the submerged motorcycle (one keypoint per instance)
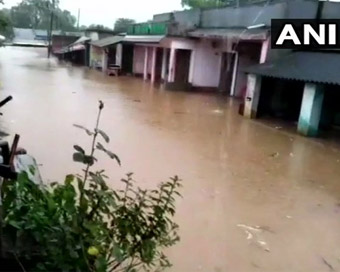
(15, 160)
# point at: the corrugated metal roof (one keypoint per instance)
(23, 34)
(108, 41)
(318, 67)
(240, 33)
(76, 46)
(81, 40)
(143, 39)
(26, 37)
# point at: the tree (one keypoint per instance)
(22, 16)
(36, 14)
(122, 24)
(6, 27)
(65, 20)
(100, 27)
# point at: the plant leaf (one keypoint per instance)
(79, 149)
(101, 264)
(78, 157)
(100, 147)
(104, 135)
(90, 133)
(109, 153)
(113, 156)
(89, 160)
(69, 179)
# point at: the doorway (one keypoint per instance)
(281, 99)
(182, 66)
(111, 55)
(227, 71)
(159, 61)
(127, 59)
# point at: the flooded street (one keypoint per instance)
(255, 198)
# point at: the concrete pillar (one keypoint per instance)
(164, 64)
(234, 78)
(146, 57)
(311, 109)
(253, 95)
(91, 56)
(264, 51)
(104, 60)
(153, 64)
(172, 64)
(192, 66)
(119, 54)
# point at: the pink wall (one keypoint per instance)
(206, 67)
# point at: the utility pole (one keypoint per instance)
(49, 50)
(78, 19)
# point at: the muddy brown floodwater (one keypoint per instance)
(255, 198)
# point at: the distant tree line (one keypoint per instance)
(36, 14)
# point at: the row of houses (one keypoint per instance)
(228, 50)
(39, 37)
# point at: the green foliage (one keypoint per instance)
(36, 14)
(83, 225)
(6, 26)
(122, 24)
(99, 27)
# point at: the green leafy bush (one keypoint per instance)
(84, 225)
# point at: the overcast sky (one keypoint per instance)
(107, 11)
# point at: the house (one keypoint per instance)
(79, 51)
(104, 52)
(200, 49)
(300, 87)
(28, 37)
(123, 51)
(61, 40)
(228, 50)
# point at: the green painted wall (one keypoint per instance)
(148, 29)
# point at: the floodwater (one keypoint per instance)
(256, 198)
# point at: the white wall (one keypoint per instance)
(183, 44)
(207, 65)
(94, 36)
